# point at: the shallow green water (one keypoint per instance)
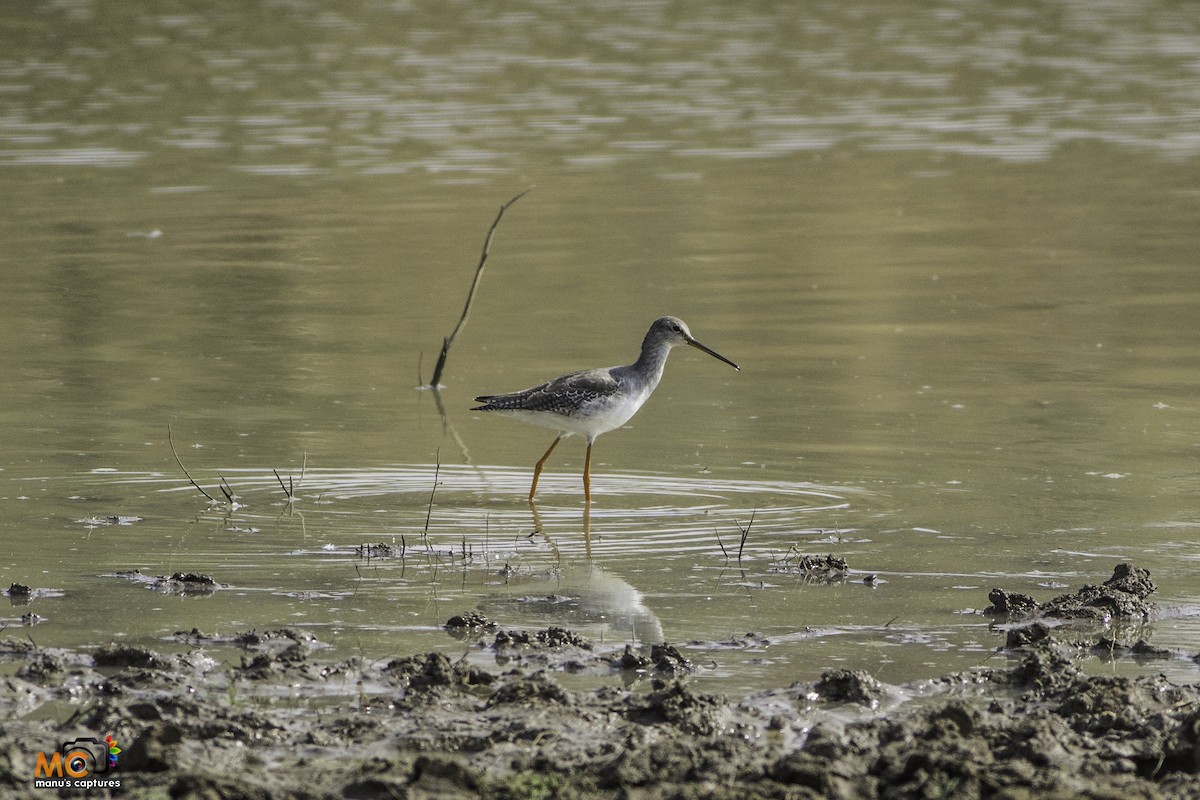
(953, 249)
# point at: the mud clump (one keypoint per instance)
(1119, 604)
(1033, 634)
(1123, 596)
(1011, 604)
(1109, 649)
(551, 637)
(850, 686)
(470, 621)
(677, 705)
(123, 655)
(663, 659)
(281, 639)
(668, 660)
(529, 690)
(154, 749)
(433, 673)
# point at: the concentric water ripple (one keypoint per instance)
(484, 508)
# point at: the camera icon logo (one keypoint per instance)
(85, 756)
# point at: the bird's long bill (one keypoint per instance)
(712, 353)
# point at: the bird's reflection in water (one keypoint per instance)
(540, 530)
(583, 596)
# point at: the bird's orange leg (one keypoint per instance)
(587, 475)
(537, 470)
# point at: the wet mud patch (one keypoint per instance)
(283, 723)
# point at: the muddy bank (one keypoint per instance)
(277, 721)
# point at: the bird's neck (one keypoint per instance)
(651, 362)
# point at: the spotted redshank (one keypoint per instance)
(595, 401)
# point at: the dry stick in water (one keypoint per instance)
(437, 467)
(286, 488)
(171, 442)
(745, 533)
(289, 488)
(436, 380)
(717, 533)
(226, 489)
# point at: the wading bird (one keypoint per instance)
(595, 401)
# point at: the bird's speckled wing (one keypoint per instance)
(565, 396)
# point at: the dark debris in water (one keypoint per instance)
(745, 641)
(470, 621)
(815, 569)
(19, 594)
(377, 550)
(182, 583)
(193, 579)
(111, 519)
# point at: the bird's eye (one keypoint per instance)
(676, 328)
